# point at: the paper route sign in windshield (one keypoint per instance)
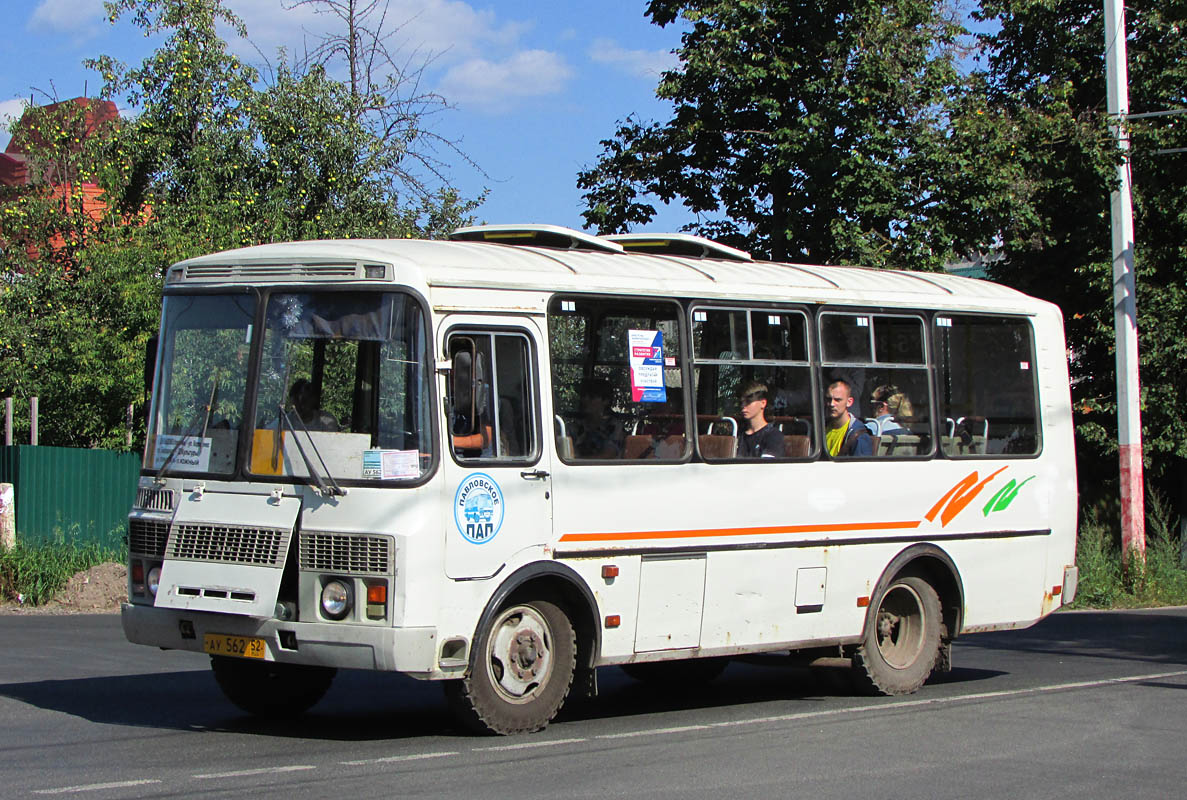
(647, 366)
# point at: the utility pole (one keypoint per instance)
(1125, 317)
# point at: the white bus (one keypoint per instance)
(507, 459)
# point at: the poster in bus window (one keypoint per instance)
(647, 366)
(191, 455)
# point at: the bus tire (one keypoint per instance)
(270, 689)
(901, 641)
(521, 671)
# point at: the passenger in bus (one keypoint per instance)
(598, 434)
(888, 405)
(846, 434)
(305, 402)
(760, 439)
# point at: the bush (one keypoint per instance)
(33, 574)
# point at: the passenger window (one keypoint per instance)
(618, 388)
(988, 392)
(880, 361)
(754, 397)
(490, 405)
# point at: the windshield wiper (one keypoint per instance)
(325, 490)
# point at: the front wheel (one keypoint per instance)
(271, 689)
(521, 671)
(902, 639)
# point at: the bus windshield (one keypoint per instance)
(341, 388)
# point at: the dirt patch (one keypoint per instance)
(98, 590)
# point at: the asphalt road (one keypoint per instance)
(1083, 705)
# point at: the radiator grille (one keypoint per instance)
(147, 537)
(341, 552)
(229, 543)
(155, 499)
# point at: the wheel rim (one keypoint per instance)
(900, 626)
(519, 656)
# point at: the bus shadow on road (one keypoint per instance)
(368, 706)
(365, 706)
(1145, 636)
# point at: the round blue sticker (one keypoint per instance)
(478, 508)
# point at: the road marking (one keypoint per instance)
(656, 731)
(94, 787)
(248, 772)
(394, 759)
(937, 701)
(526, 745)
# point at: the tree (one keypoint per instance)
(213, 160)
(386, 94)
(1045, 61)
(806, 131)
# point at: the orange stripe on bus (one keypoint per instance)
(840, 527)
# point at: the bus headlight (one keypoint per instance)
(153, 580)
(336, 599)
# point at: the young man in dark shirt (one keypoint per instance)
(760, 439)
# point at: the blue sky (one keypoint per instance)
(535, 85)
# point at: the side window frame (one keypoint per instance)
(1036, 399)
(491, 333)
(809, 364)
(591, 345)
(926, 368)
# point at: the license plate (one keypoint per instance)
(223, 644)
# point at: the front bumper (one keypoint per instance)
(409, 650)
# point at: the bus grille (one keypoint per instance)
(341, 552)
(232, 544)
(147, 537)
(155, 499)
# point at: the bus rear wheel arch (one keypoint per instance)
(521, 669)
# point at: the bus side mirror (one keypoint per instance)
(463, 389)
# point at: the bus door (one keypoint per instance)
(497, 474)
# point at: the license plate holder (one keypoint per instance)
(226, 644)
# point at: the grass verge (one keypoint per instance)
(33, 573)
(1160, 581)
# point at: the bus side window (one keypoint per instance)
(739, 351)
(987, 386)
(491, 401)
(617, 380)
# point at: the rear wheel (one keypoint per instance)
(271, 689)
(902, 639)
(521, 671)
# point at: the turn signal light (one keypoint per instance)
(613, 621)
(863, 602)
(377, 593)
(609, 571)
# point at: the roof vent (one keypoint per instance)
(677, 244)
(536, 236)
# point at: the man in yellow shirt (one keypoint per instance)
(846, 435)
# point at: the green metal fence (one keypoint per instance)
(70, 493)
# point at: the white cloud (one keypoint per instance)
(67, 16)
(639, 63)
(492, 86)
(471, 56)
(448, 30)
